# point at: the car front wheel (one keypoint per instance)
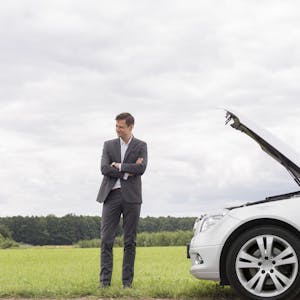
(263, 263)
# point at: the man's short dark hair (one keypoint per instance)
(129, 119)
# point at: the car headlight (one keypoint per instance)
(211, 220)
(197, 224)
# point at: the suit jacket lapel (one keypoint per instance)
(118, 149)
(130, 146)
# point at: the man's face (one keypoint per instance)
(123, 131)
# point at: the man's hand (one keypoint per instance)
(115, 165)
(139, 160)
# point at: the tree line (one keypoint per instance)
(69, 229)
(146, 239)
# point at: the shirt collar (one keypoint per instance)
(123, 143)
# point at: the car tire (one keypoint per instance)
(263, 263)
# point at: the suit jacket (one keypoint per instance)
(131, 188)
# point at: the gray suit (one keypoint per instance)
(131, 188)
(125, 201)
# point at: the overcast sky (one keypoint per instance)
(69, 67)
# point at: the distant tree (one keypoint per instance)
(4, 231)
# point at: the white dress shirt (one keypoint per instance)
(124, 147)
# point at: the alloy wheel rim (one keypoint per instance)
(266, 265)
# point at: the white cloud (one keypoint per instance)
(68, 68)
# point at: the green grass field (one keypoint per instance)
(73, 272)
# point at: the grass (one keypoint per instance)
(74, 272)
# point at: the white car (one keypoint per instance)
(254, 247)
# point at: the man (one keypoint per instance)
(123, 162)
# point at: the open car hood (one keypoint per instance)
(271, 145)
